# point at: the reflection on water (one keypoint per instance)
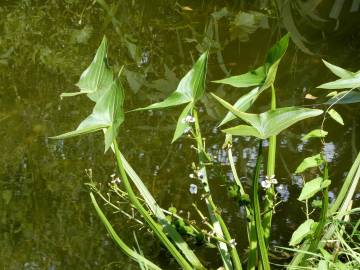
(46, 220)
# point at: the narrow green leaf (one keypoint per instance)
(264, 75)
(251, 78)
(310, 162)
(158, 212)
(182, 125)
(312, 187)
(242, 104)
(127, 250)
(336, 116)
(190, 88)
(301, 232)
(338, 71)
(353, 82)
(97, 78)
(316, 133)
(107, 114)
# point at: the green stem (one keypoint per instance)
(213, 211)
(324, 211)
(270, 193)
(154, 226)
(257, 212)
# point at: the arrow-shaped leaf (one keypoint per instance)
(347, 79)
(97, 78)
(264, 75)
(268, 123)
(242, 104)
(190, 88)
(107, 114)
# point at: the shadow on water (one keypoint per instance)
(46, 220)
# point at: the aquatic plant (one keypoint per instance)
(174, 231)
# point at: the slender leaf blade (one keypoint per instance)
(127, 250)
(338, 71)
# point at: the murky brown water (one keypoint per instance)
(46, 219)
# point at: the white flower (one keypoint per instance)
(265, 184)
(193, 189)
(200, 175)
(188, 119)
(187, 130)
(232, 243)
(191, 175)
(271, 179)
(116, 181)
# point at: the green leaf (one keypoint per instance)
(264, 75)
(301, 232)
(316, 133)
(190, 89)
(336, 116)
(338, 71)
(345, 97)
(242, 104)
(342, 83)
(268, 123)
(107, 114)
(312, 187)
(161, 217)
(121, 244)
(310, 162)
(181, 124)
(97, 78)
(242, 130)
(251, 78)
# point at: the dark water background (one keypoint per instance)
(46, 218)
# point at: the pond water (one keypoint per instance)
(46, 217)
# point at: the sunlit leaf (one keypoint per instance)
(310, 162)
(310, 96)
(242, 104)
(338, 71)
(301, 232)
(182, 125)
(264, 75)
(97, 78)
(316, 133)
(342, 83)
(243, 130)
(190, 89)
(107, 114)
(312, 187)
(271, 122)
(336, 116)
(251, 78)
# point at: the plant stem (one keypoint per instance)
(154, 226)
(257, 212)
(270, 192)
(215, 216)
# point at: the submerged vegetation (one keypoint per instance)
(177, 233)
